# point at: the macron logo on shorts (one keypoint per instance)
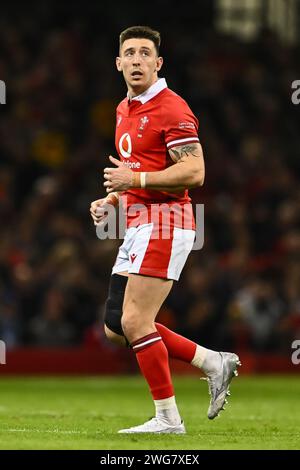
(132, 257)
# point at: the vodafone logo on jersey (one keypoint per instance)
(125, 145)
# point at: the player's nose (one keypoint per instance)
(136, 59)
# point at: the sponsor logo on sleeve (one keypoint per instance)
(186, 125)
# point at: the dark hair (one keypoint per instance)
(141, 32)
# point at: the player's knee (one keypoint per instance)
(131, 323)
(126, 324)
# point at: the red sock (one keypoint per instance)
(153, 359)
(178, 346)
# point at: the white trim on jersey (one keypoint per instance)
(152, 91)
(181, 141)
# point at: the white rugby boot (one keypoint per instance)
(155, 426)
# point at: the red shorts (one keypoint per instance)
(150, 251)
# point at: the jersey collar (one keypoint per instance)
(152, 91)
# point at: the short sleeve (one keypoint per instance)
(180, 125)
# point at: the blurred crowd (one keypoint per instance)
(241, 291)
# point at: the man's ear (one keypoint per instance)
(159, 63)
(118, 64)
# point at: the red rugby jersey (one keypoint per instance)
(146, 128)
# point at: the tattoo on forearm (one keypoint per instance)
(178, 153)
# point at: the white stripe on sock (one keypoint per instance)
(149, 341)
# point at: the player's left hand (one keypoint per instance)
(119, 178)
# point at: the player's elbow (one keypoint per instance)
(196, 173)
(197, 178)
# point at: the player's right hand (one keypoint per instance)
(98, 210)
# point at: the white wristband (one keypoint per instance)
(143, 179)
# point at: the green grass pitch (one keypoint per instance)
(86, 413)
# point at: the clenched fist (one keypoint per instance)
(99, 207)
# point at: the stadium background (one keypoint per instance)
(234, 63)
